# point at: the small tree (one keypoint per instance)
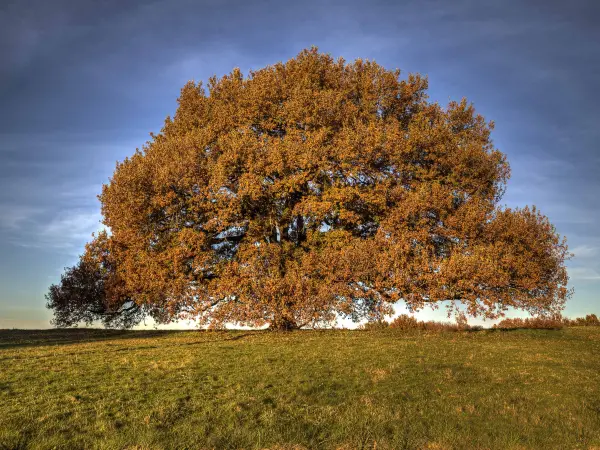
(316, 188)
(88, 292)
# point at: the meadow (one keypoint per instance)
(379, 389)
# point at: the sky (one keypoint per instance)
(83, 83)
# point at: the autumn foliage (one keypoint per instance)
(310, 190)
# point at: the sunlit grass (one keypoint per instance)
(329, 389)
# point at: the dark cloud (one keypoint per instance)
(82, 83)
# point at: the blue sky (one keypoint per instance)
(83, 83)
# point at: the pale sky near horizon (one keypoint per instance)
(83, 83)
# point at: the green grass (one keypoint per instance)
(310, 389)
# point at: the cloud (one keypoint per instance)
(65, 231)
(69, 228)
(112, 71)
(48, 187)
(584, 273)
(14, 216)
(584, 251)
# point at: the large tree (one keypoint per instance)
(312, 189)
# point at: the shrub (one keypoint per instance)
(549, 322)
(544, 323)
(591, 320)
(406, 322)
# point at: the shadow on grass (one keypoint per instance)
(69, 336)
(56, 337)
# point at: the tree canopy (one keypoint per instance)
(306, 191)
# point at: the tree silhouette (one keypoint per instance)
(314, 189)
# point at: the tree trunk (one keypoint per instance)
(283, 323)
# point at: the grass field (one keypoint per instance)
(307, 389)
